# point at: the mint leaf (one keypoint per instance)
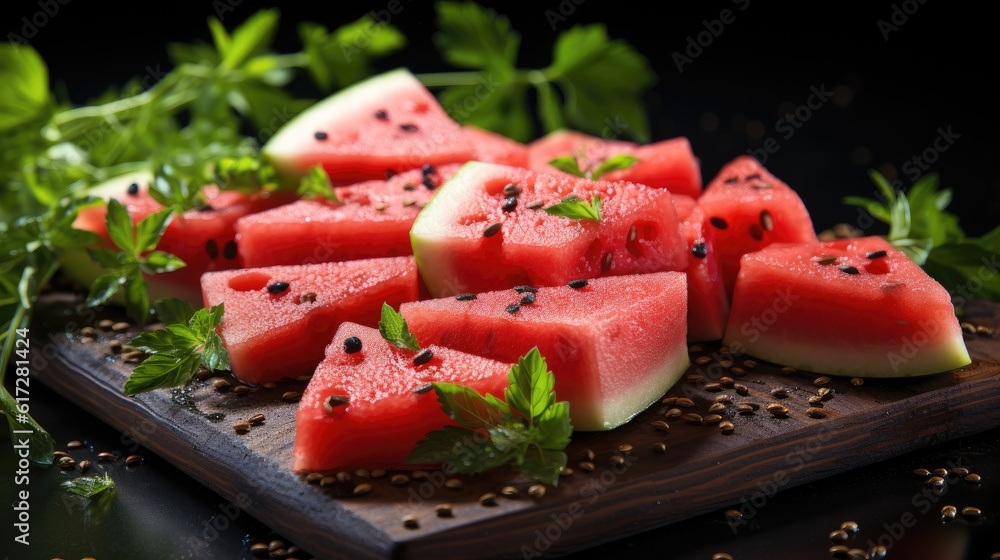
(245, 174)
(24, 86)
(613, 163)
(528, 432)
(251, 37)
(468, 408)
(178, 351)
(393, 328)
(316, 184)
(956, 264)
(119, 224)
(158, 262)
(577, 209)
(471, 36)
(345, 56)
(173, 310)
(89, 486)
(568, 164)
(105, 286)
(530, 385)
(150, 229)
(171, 189)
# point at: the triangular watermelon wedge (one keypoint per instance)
(615, 345)
(708, 303)
(849, 307)
(383, 125)
(381, 404)
(278, 320)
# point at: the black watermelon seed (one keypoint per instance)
(423, 357)
(427, 169)
(133, 189)
(381, 115)
(407, 127)
(352, 344)
(428, 183)
(509, 204)
(524, 289)
(848, 269)
(752, 176)
(528, 299)
(320, 135)
(577, 284)
(875, 254)
(718, 222)
(761, 186)
(212, 248)
(513, 308)
(756, 232)
(409, 187)
(699, 249)
(229, 251)
(491, 229)
(277, 287)
(205, 208)
(389, 174)
(465, 297)
(731, 180)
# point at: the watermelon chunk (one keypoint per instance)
(749, 209)
(668, 164)
(384, 417)
(373, 221)
(273, 330)
(615, 345)
(639, 232)
(848, 307)
(496, 148)
(385, 124)
(204, 238)
(708, 303)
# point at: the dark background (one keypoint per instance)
(937, 70)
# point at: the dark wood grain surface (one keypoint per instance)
(700, 470)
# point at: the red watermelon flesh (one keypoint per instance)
(639, 232)
(205, 238)
(615, 345)
(748, 209)
(850, 307)
(496, 148)
(272, 333)
(373, 221)
(384, 417)
(668, 164)
(708, 304)
(386, 124)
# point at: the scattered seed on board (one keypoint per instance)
(105, 457)
(133, 461)
(749, 364)
(220, 384)
(344, 477)
(536, 490)
(259, 550)
(120, 326)
(454, 484)
(935, 481)
(922, 473)
(66, 463)
(241, 427)
(820, 381)
(673, 413)
(948, 513)
(838, 551)
(877, 552)
(589, 454)
(741, 389)
(241, 389)
(939, 472)
(509, 491)
(727, 382)
(788, 369)
(858, 554)
(488, 499)
(695, 378)
(692, 417)
(443, 510)
(275, 545)
(669, 400)
(857, 381)
(721, 556)
(362, 473)
(733, 515)
(744, 409)
(362, 489)
(256, 419)
(269, 385)
(410, 521)
(738, 371)
(378, 473)
(970, 511)
(314, 477)
(711, 419)
(660, 447)
(399, 479)
(727, 427)
(291, 396)
(973, 478)
(616, 460)
(838, 536)
(850, 527)
(777, 410)
(713, 387)
(660, 425)
(625, 447)
(723, 399)
(780, 393)
(716, 408)
(960, 471)
(814, 412)
(585, 466)
(684, 402)
(702, 360)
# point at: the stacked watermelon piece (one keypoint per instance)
(467, 233)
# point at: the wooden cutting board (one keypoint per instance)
(632, 486)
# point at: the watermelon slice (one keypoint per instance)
(464, 240)
(278, 320)
(204, 238)
(387, 410)
(668, 164)
(373, 221)
(708, 304)
(383, 125)
(749, 209)
(496, 148)
(848, 307)
(615, 344)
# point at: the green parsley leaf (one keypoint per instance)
(251, 37)
(89, 486)
(316, 184)
(24, 86)
(393, 328)
(178, 351)
(345, 56)
(246, 174)
(471, 36)
(171, 189)
(575, 208)
(968, 268)
(529, 432)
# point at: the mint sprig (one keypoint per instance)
(529, 432)
(136, 255)
(393, 329)
(571, 165)
(178, 351)
(316, 184)
(89, 486)
(575, 208)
